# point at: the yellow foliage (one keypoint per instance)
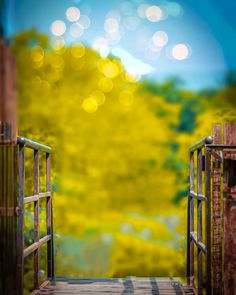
(120, 157)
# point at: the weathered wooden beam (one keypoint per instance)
(229, 212)
(8, 174)
(216, 215)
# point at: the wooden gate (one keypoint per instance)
(211, 222)
(34, 248)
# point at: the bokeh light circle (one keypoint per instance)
(84, 21)
(90, 105)
(141, 10)
(154, 13)
(99, 96)
(37, 54)
(180, 51)
(78, 50)
(58, 28)
(73, 14)
(105, 84)
(111, 25)
(76, 30)
(57, 42)
(160, 38)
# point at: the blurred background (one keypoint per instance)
(120, 90)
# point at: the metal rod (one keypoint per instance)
(199, 144)
(197, 196)
(34, 145)
(191, 221)
(36, 218)
(199, 220)
(208, 219)
(221, 146)
(49, 218)
(199, 244)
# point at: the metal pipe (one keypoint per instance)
(199, 144)
(34, 145)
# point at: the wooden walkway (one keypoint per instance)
(127, 286)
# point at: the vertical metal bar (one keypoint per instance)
(53, 272)
(208, 219)
(49, 217)
(36, 218)
(199, 220)
(216, 218)
(191, 217)
(188, 242)
(20, 221)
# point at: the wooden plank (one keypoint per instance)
(37, 197)
(130, 285)
(35, 246)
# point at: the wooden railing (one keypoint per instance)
(195, 238)
(34, 248)
(212, 189)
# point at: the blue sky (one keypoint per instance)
(206, 27)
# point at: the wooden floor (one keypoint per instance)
(127, 286)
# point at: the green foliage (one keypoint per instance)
(120, 160)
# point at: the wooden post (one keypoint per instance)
(216, 217)
(230, 212)
(8, 175)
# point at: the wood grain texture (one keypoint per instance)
(127, 286)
